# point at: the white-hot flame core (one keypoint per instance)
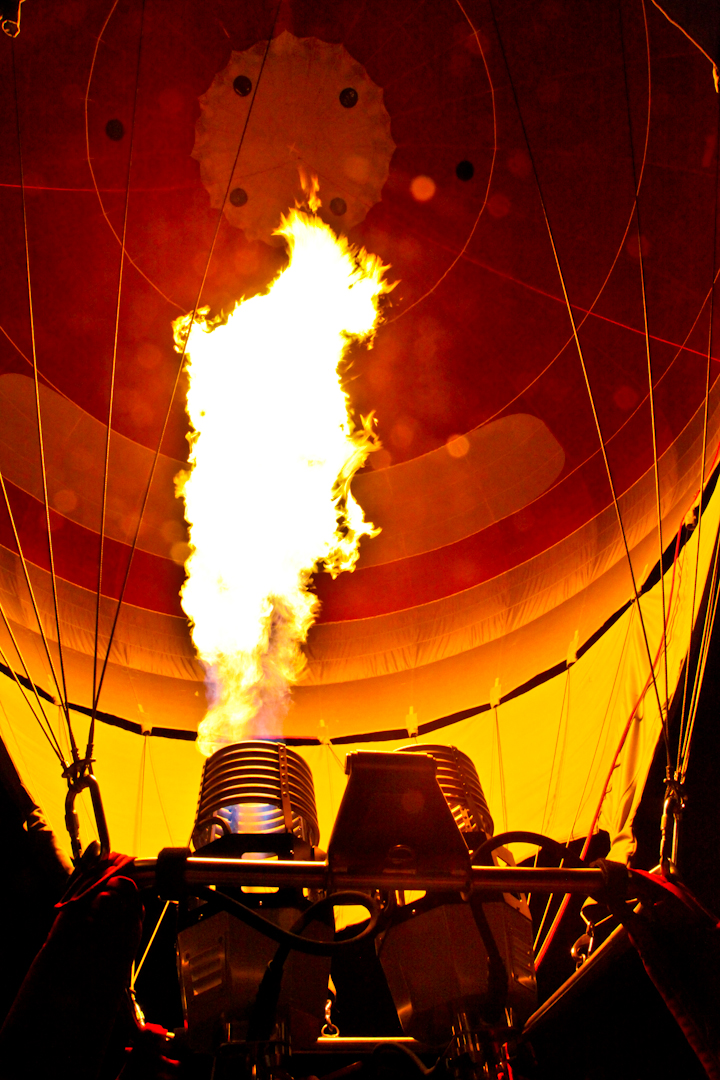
(273, 451)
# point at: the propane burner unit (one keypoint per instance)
(257, 800)
(459, 970)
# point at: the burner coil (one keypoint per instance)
(460, 784)
(256, 787)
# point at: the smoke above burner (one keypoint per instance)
(273, 451)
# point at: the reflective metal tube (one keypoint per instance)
(196, 870)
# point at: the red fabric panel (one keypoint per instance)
(491, 338)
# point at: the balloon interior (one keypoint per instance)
(360, 431)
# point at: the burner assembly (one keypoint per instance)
(254, 959)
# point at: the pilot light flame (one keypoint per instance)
(273, 451)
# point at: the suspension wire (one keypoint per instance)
(588, 387)
(641, 262)
(709, 616)
(47, 731)
(713, 594)
(140, 803)
(623, 738)
(545, 819)
(706, 637)
(684, 720)
(566, 692)
(704, 441)
(539, 956)
(51, 555)
(158, 792)
(33, 601)
(135, 971)
(88, 157)
(591, 309)
(181, 363)
(62, 694)
(501, 769)
(113, 368)
(621, 664)
(691, 724)
(712, 605)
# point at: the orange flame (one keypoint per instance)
(273, 452)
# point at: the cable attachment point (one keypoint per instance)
(10, 17)
(330, 1030)
(80, 777)
(673, 807)
(616, 888)
(583, 947)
